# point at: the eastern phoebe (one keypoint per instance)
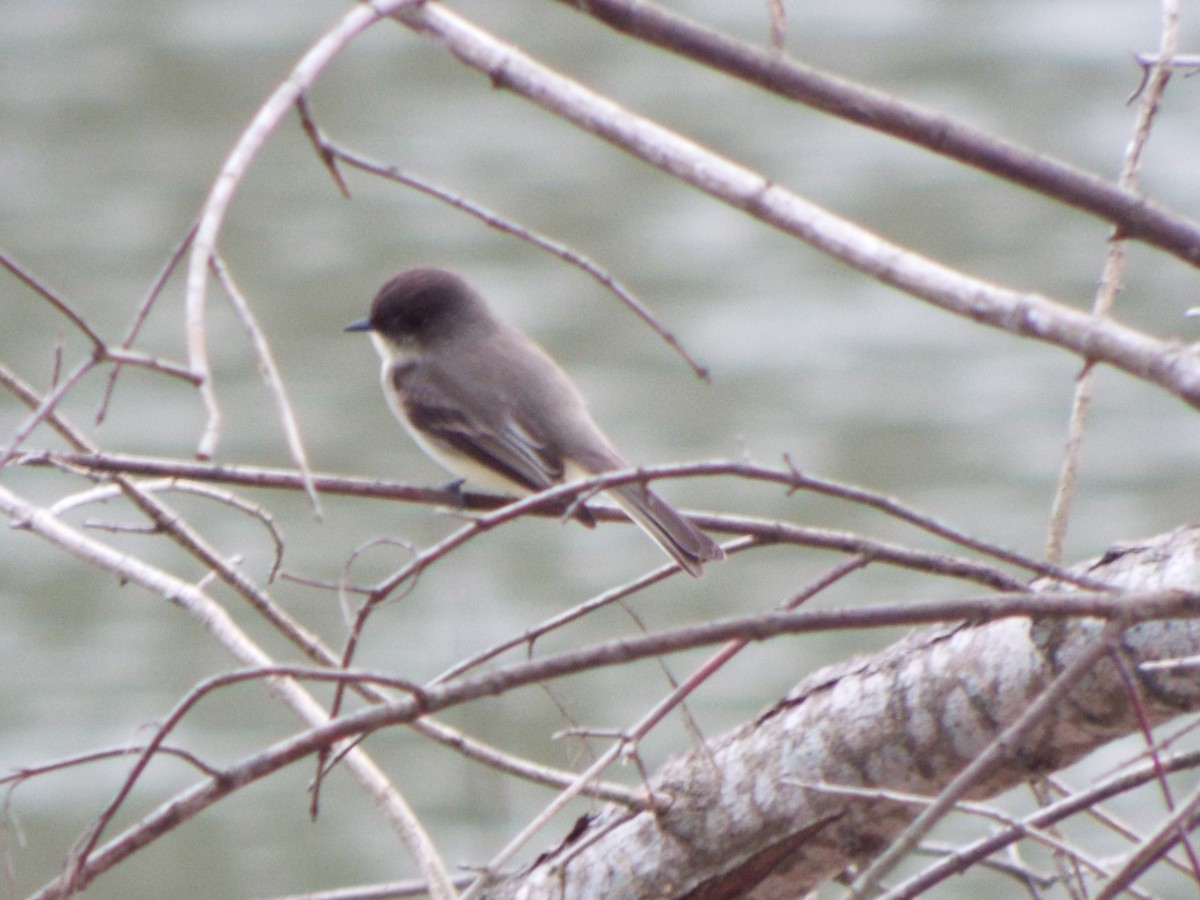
(490, 405)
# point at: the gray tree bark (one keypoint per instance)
(745, 820)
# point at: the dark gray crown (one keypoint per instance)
(427, 304)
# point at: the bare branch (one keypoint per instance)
(1168, 833)
(554, 503)
(1132, 214)
(101, 351)
(28, 516)
(808, 837)
(141, 315)
(1125, 610)
(1111, 281)
(270, 114)
(1075, 802)
(57, 302)
(1168, 364)
(270, 374)
(104, 492)
(531, 634)
(174, 526)
(629, 739)
(44, 409)
(330, 153)
(1022, 829)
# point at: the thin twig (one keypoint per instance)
(205, 687)
(330, 152)
(45, 409)
(1154, 846)
(143, 311)
(201, 606)
(531, 634)
(24, 773)
(630, 738)
(778, 18)
(1130, 608)
(204, 248)
(1077, 801)
(1110, 281)
(271, 377)
(183, 534)
(104, 492)
(26, 515)
(1022, 828)
(101, 351)
(98, 343)
(1134, 687)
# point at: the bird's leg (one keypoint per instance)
(455, 487)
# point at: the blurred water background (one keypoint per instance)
(114, 117)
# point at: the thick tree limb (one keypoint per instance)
(907, 719)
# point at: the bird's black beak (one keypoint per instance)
(360, 325)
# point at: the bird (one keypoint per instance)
(487, 403)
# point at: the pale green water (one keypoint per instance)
(114, 117)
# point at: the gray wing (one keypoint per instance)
(481, 426)
(497, 443)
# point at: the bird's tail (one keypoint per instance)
(686, 544)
